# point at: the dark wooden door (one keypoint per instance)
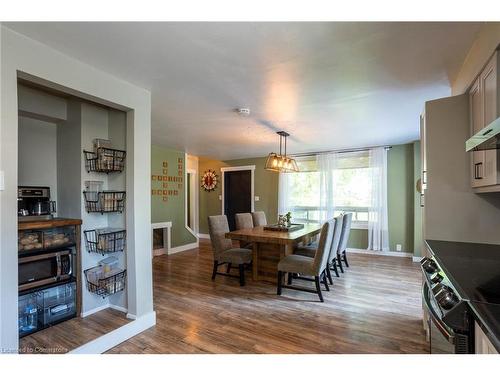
(237, 194)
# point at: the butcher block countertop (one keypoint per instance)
(47, 223)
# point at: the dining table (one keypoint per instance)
(270, 246)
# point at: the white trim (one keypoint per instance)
(416, 259)
(385, 253)
(119, 335)
(104, 307)
(118, 308)
(166, 225)
(204, 235)
(193, 172)
(84, 314)
(178, 249)
(242, 168)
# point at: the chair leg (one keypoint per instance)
(339, 261)
(280, 280)
(242, 274)
(329, 274)
(289, 282)
(345, 259)
(318, 288)
(228, 268)
(334, 268)
(325, 282)
(214, 272)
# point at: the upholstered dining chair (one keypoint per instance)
(344, 239)
(223, 250)
(259, 218)
(310, 250)
(244, 221)
(306, 266)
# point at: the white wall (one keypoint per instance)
(28, 59)
(37, 154)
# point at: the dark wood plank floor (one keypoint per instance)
(374, 307)
(72, 333)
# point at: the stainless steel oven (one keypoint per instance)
(443, 339)
(447, 316)
(44, 269)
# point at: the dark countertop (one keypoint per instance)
(474, 271)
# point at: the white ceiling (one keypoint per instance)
(331, 85)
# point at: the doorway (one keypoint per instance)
(237, 192)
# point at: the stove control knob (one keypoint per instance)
(436, 278)
(429, 265)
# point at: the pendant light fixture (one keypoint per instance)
(280, 162)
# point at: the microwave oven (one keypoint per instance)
(44, 269)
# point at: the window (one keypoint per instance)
(351, 190)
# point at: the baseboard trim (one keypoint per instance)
(178, 249)
(118, 308)
(119, 335)
(383, 253)
(95, 310)
(204, 236)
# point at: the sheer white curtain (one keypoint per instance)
(283, 194)
(378, 232)
(326, 165)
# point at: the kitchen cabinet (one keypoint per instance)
(482, 344)
(484, 109)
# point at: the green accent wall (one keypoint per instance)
(265, 187)
(401, 195)
(417, 225)
(174, 208)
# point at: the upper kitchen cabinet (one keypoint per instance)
(484, 109)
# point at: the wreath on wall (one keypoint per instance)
(209, 180)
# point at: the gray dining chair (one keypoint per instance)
(244, 221)
(223, 250)
(310, 251)
(306, 266)
(344, 239)
(259, 218)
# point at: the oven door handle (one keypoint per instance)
(450, 337)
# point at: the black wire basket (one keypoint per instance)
(105, 160)
(104, 201)
(102, 285)
(105, 241)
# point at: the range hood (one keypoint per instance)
(485, 139)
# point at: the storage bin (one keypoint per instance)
(105, 201)
(105, 240)
(105, 160)
(58, 237)
(27, 314)
(57, 303)
(29, 240)
(104, 283)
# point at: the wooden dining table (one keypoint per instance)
(269, 247)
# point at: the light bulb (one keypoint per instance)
(275, 162)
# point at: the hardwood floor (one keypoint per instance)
(374, 307)
(72, 333)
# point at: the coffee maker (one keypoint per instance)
(33, 203)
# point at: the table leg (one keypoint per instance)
(255, 261)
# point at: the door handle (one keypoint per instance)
(477, 174)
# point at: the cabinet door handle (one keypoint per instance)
(477, 174)
(424, 177)
(422, 201)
